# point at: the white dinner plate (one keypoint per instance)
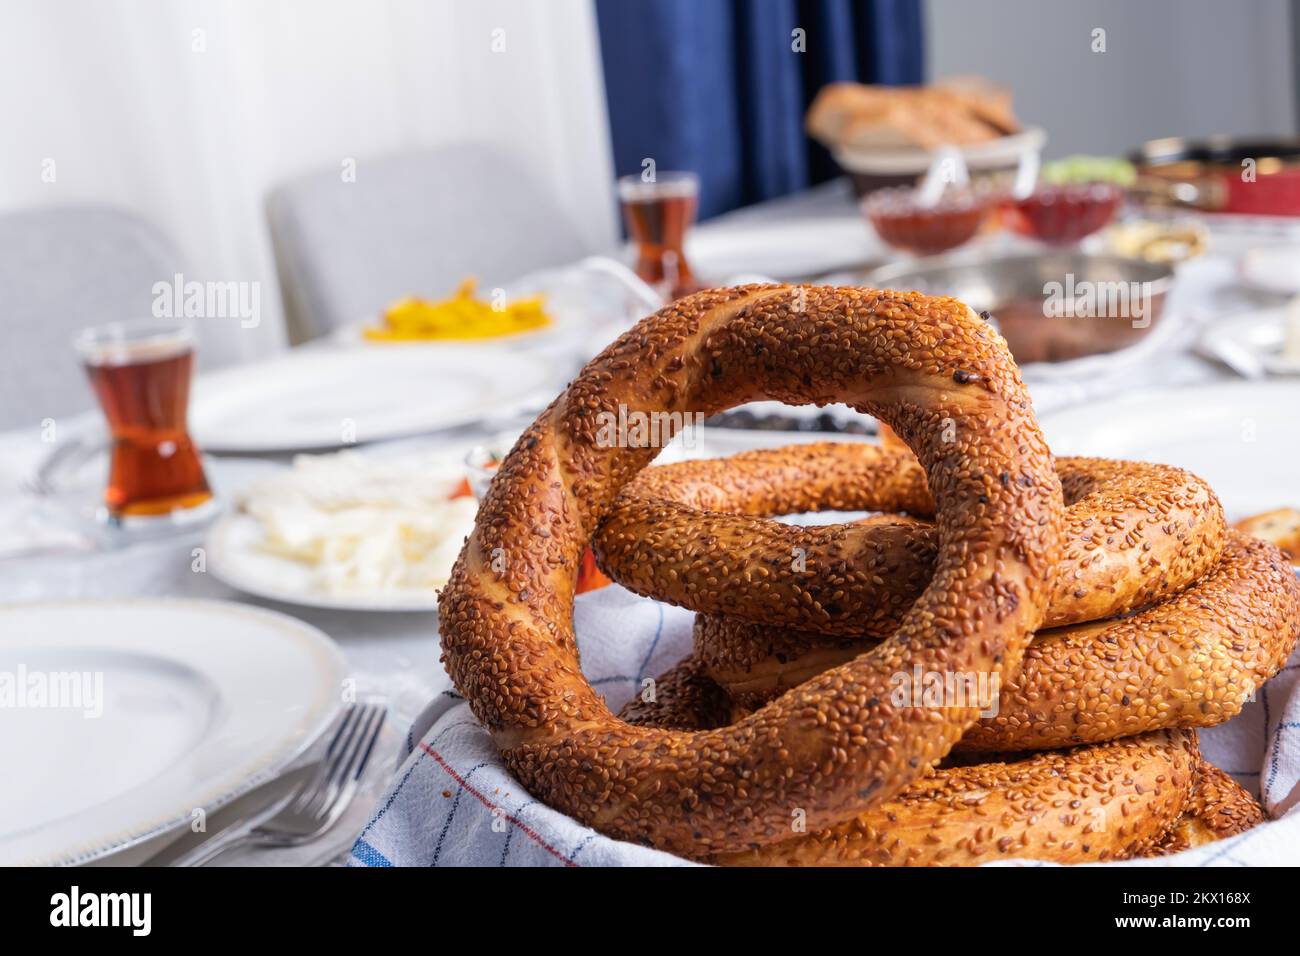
(1272, 268)
(725, 442)
(166, 707)
(782, 250)
(1242, 438)
(235, 559)
(590, 302)
(1258, 336)
(331, 397)
(569, 321)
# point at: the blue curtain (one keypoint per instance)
(713, 86)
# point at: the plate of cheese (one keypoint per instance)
(348, 531)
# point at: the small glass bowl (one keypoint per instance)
(1062, 214)
(902, 222)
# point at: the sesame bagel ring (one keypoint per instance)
(1135, 534)
(684, 697)
(951, 816)
(1219, 807)
(1141, 796)
(1192, 661)
(1091, 804)
(931, 369)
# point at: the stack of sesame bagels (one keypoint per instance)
(1009, 659)
(1159, 620)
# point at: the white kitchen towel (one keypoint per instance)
(452, 802)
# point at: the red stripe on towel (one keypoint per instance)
(529, 831)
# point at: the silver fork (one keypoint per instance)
(318, 803)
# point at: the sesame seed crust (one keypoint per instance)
(1214, 806)
(696, 534)
(685, 698)
(1192, 661)
(836, 745)
(1096, 803)
(1218, 807)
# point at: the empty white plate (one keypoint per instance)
(331, 397)
(1243, 438)
(121, 719)
(1256, 338)
(1273, 268)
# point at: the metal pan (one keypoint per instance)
(1257, 177)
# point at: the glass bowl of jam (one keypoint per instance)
(904, 222)
(1064, 213)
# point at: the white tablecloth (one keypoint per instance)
(396, 655)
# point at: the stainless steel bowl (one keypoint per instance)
(1052, 306)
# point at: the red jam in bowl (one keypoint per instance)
(1067, 213)
(925, 230)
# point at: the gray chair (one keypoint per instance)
(63, 268)
(414, 224)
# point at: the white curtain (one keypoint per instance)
(188, 111)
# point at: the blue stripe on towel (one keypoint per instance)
(583, 845)
(368, 855)
(659, 632)
(392, 797)
(446, 825)
(1275, 758)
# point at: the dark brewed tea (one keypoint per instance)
(658, 215)
(144, 387)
